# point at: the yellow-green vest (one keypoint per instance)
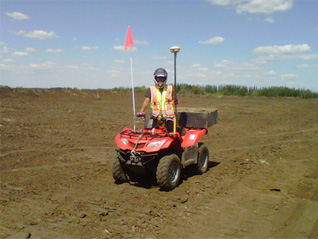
(162, 104)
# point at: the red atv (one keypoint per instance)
(155, 151)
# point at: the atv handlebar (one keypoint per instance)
(140, 115)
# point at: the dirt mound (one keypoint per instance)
(55, 179)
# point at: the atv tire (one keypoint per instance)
(169, 172)
(118, 171)
(203, 159)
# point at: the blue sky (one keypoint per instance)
(80, 44)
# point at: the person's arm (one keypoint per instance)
(144, 105)
(146, 102)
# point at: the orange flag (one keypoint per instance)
(129, 40)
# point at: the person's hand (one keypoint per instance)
(140, 114)
(176, 101)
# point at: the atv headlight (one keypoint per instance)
(155, 144)
(124, 141)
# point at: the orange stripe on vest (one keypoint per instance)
(162, 102)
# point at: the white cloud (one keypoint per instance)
(42, 35)
(91, 68)
(114, 73)
(45, 66)
(3, 67)
(221, 2)
(20, 53)
(203, 69)
(17, 15)
(169, 63)
(306, 66)
(304, 57)
(271, 73)
(199, 68)
(279, 53)
(119, 48)
(214, 41)
(246, 66)
(269, 19)
(281, 57)
(88, 48)
(122, 48)
(265, 6)
(256, 6)
(303, 66)
(195, 65)
(288, 76)
(281, 49)
(119, 61)
(158, 57)
(221, 64)
(71, 67)
(30, 49)
(56, 51)
(144, 42)
(7, 60)
(4, 50)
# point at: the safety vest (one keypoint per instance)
(162, 101)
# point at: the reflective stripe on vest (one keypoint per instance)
(162, 102)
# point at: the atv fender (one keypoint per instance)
(192, 137)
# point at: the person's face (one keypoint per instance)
(160, 79)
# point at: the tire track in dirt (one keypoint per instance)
(45, 167)
(256, 146)
(232, 199)
(269, 135)
(110, 148)
(54, 149)
(299, 221)
(261, 205)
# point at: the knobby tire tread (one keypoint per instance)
(118, 171)
(162, 172)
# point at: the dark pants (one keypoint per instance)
(169, 125)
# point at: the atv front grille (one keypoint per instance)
(139, 146)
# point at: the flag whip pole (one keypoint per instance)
(133, 92)
(128, 43)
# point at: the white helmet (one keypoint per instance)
(160, 77)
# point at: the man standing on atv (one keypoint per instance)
(160, 97)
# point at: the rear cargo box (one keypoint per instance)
(197, 117)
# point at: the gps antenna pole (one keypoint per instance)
(175, 50)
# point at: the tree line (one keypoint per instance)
(238, 90)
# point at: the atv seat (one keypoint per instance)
(148, 124)
(182, 131)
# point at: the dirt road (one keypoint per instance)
(57, 145)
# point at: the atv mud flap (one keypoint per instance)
(190, 155)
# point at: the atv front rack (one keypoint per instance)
(131, 133)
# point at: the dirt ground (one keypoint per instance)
(56, 182)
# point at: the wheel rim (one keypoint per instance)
(203, 160)
(174, 172)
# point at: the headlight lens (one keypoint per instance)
(124, 141)
(155, 144)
